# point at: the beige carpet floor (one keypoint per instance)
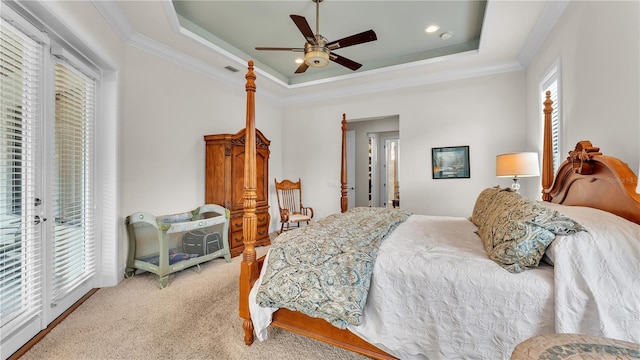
(195, 317)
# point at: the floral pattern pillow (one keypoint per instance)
(518, 230)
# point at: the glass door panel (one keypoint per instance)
(21, 278)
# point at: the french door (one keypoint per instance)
(46, 184)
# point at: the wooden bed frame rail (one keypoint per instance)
(586, 178)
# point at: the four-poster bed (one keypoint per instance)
(587, 178)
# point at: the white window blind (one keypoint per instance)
(20, 236)
(74, 254)
(551, 83)
(555, 126)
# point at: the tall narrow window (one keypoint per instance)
(73, 178)
(551, 83)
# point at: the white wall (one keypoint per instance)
(168, 109)
(598, 44)
(487, 113)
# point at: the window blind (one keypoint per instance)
(74, 255)
(555, 124)
(550, 83)
(20, 237)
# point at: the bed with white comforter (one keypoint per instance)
(435, 294)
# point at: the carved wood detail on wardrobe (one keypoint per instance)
(224, 183)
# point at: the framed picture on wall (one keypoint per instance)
(450, 162)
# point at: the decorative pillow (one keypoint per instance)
(483, 203)
(518, 230)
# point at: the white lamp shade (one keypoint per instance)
(516, 165)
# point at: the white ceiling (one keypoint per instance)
(402, 56)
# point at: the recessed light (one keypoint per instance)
(446, 35)
(299, 61)
(432, 28)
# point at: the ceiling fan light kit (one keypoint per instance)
(317, 51)
(316, 58)
(316, 55)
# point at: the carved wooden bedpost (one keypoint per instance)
(344, 201)
(547, 150)
(249, 266)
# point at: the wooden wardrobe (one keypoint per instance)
(224, 183)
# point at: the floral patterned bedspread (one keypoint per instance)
(324, 269)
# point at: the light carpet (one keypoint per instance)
(195, 317)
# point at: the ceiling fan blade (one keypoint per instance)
(356, 39)
(280, 49)
(302, 68)
(304, 28)
(345, 62)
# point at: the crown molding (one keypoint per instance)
(120, 24)
(182, 59)
(116, 19)
(547, 20)
(407, 82)
(127, 32)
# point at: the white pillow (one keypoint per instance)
(600, 225)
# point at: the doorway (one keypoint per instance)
(371, 160)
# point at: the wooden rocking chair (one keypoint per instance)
(289, 195)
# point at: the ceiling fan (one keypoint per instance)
(317, 50)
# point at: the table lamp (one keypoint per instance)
(517, 165)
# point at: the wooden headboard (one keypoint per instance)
(588, 178)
